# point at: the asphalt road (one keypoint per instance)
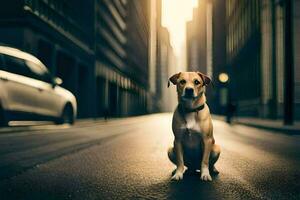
(127, 159)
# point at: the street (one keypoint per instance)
(127, 159)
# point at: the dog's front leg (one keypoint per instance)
(205, 176)
(179, 161)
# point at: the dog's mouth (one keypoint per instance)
(188, 97)
(191, 97)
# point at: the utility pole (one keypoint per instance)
(289, 65)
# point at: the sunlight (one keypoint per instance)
(175, 14)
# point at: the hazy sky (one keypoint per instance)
(175, 14)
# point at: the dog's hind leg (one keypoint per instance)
(213, 158)
(172, 155)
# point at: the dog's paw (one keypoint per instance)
(178, 174)
(205, 176)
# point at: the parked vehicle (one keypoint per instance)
(29, 92)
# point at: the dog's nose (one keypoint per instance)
(189, 91)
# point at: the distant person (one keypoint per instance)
(230, 110)
(106, 114)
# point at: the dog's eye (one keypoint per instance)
(182, 82)
(196, 82)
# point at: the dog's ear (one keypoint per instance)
(204, 78)
(173, 79)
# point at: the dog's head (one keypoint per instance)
(190, 85)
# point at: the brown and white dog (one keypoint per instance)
(194, 144)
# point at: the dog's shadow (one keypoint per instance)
(192, 187)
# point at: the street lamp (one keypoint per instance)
(224, 94)
(223, 90)
(223, 77)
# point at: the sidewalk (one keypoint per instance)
(273, 125)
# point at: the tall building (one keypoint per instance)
(122, 34)
(192, 43)
(256, 58)
(296, 70)
(155, 21)
(197, 43)
(166, 97)
(161, 63)
(138, 33)
(244, 53)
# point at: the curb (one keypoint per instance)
(285, 129)
(291, 130)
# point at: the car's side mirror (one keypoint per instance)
(57, 81)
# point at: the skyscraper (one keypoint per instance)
(256, 56)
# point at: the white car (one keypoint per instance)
(28, 92)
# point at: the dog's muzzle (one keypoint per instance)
(189, 93)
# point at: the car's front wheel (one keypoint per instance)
(67, 116)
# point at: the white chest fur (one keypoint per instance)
(191, 122)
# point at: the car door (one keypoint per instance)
(48, 102)
(21, 90)
(3, 79)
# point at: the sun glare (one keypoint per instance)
(175, 14)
